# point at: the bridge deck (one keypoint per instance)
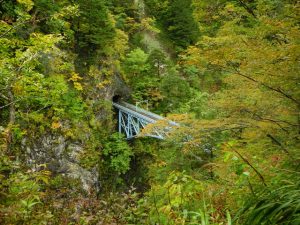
(141, 111)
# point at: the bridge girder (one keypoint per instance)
(132, 125)
(132, 120)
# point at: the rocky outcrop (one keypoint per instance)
(117, 88)
(61, 155)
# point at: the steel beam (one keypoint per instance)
(131, 121)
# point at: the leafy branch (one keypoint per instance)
(249, 164)
(275, 89)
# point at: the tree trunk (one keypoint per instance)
(12, 118)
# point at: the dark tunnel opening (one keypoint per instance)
(116, 98)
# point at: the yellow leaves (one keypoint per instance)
(36, 117)
(43, 175)
(18, 89)
(267, 54)
(71, 10)
(55, 125)
(180, 118)
(167, 210)
(230, 7)
(46, 43)
(155, 94)
(161, 164)
(251, 134)
(121, 43)
(103, 84)
(148, 24)
(191, 56)
(94, 72)
(69, 133)
(131, 24)
(28, 4)
(78, 86)
(76, 78)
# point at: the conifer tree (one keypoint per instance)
(94, 29)
(180, 23)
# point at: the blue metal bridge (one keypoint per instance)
(132, 120)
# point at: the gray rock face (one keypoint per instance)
(61, 157)
(119, 88)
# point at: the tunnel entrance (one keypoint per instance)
(117, 98)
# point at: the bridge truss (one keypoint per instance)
(132, 120)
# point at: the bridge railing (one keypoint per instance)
(142, 111)
(133, 112)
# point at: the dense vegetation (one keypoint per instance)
(227, 71)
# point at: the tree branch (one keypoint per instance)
(12, 118)
(14, 27)
(278, 143)
(3, 96)
(1, 107)
(248, 9)
(218, 129)
(277, 122)
(256, 171)
(278, 90)
(22, 23)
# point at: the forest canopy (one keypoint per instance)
(226, 72)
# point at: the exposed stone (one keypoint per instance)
(119, 88)
(61, 155)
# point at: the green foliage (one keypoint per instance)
(179, 200)
(90, 158)
(139, 68)
(197, 106)
(94, 31)
(175, 91)
(136, 64)
(157, 60)
(182, 27)
(117, 154)
(277, 206)
(177, 19)
(21, 193)
(234, 85)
